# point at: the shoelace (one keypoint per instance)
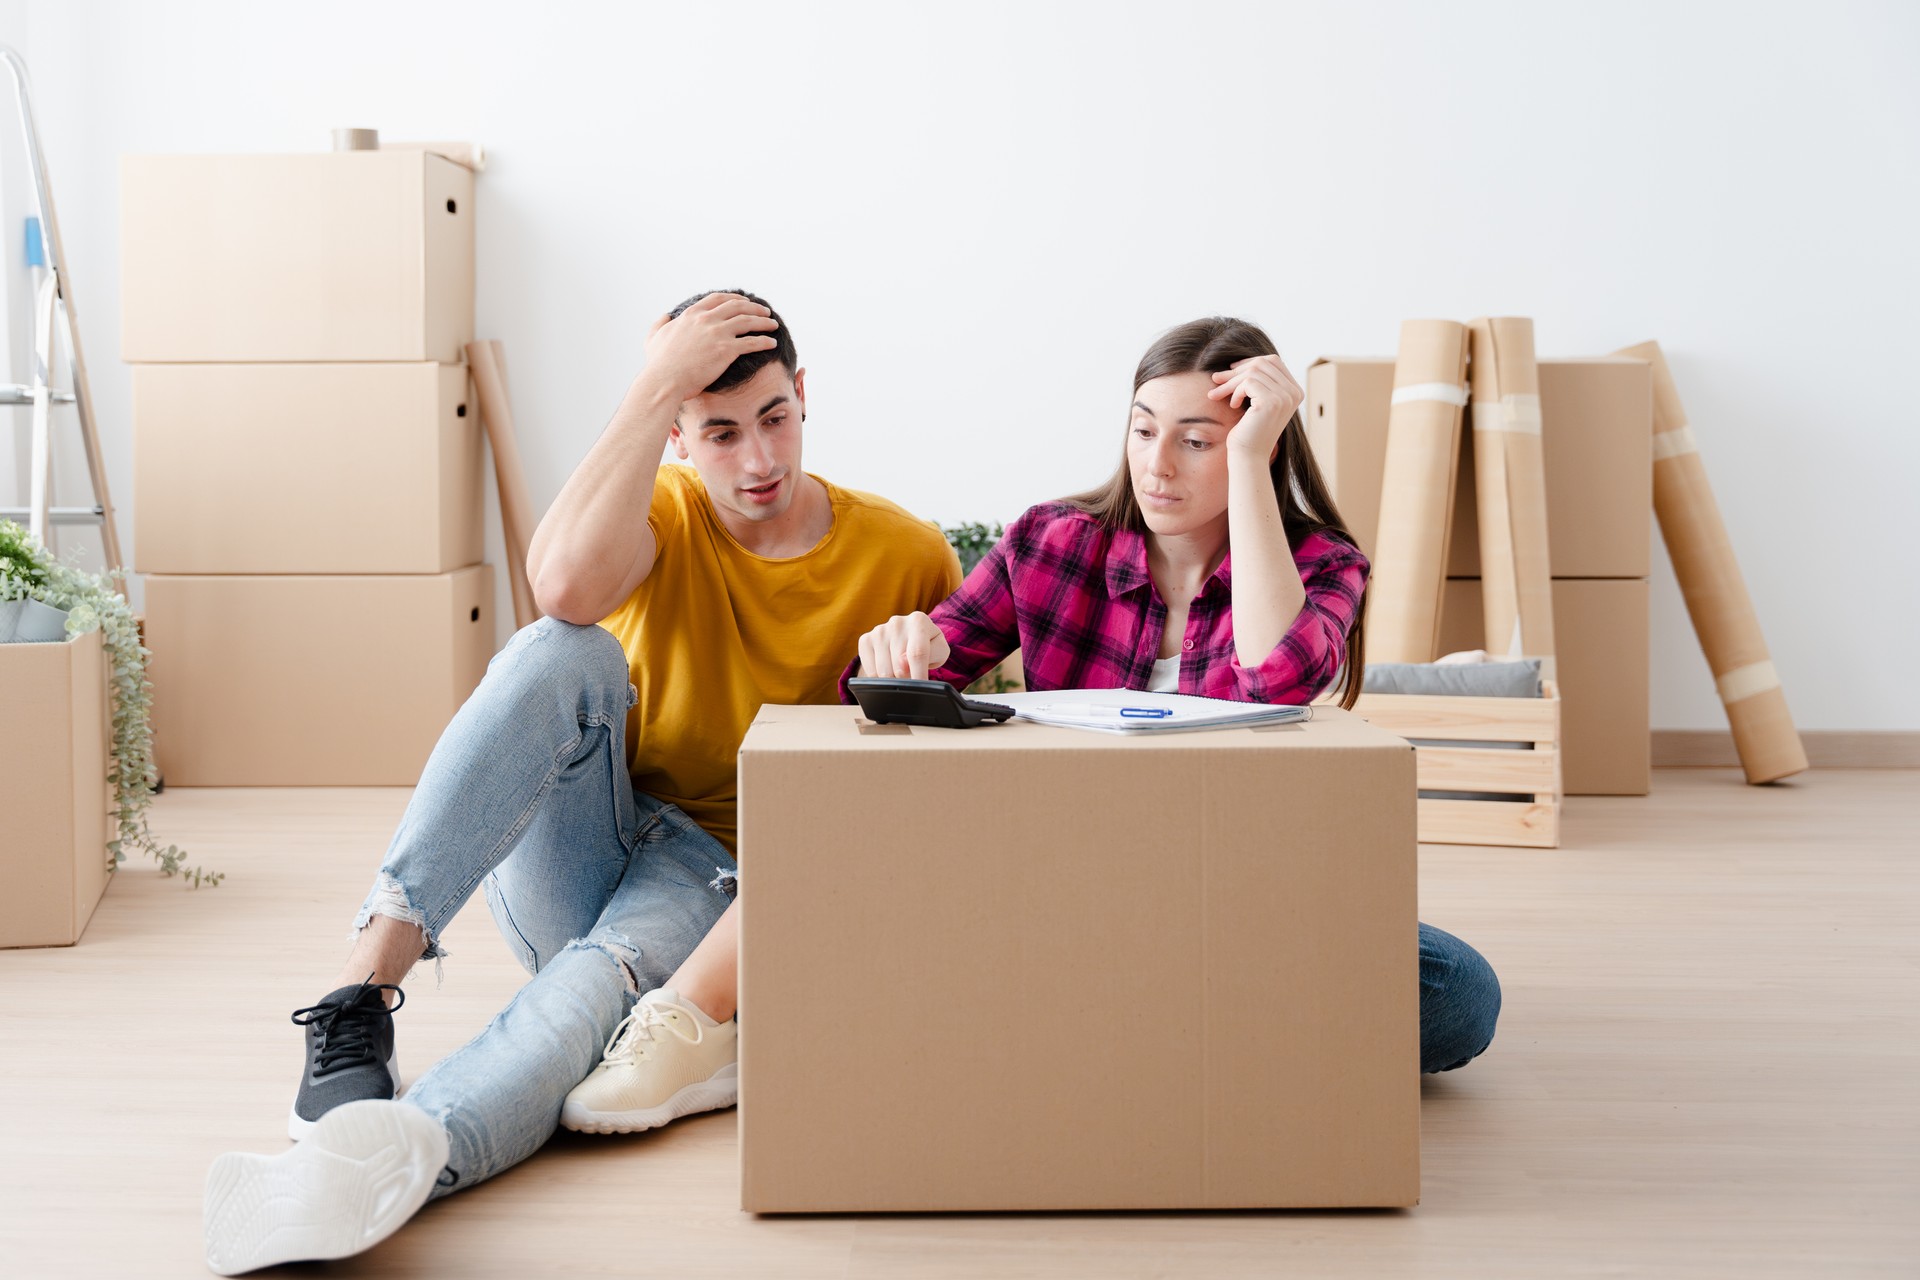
(346, 1030)
(635, 1032)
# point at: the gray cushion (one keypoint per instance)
(1459, 680)
(1456, 680)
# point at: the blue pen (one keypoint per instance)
(1088, 709)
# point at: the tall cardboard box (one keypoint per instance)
(312, 681)
(1596, 431)
(1600, 631)
(55, 801)
(305, 468)
(1091, 972)
(342, 256)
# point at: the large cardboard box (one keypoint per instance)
(312, 681)
(1602, 648)
(351, 255)
(1597, 433)
(305, 468)
(55, 801)
(1085, 971)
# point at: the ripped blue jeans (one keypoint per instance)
(600, 891)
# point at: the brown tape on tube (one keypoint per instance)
(1510, 482)
(1715, 593)
(1416, 491)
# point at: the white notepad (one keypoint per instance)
(1132, 711)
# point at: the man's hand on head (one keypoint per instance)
(685, 353)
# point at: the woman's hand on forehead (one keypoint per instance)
(1267, 390)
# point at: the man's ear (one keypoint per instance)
(800, 391)
(678, 441)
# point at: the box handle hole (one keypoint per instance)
(475, 615)
(452, 207)
(460, 411)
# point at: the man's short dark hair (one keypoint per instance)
(743, 369)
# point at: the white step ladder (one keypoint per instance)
(53, 316)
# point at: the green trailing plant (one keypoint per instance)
(971, 542)
(93, 603)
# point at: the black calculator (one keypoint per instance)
(933, 703)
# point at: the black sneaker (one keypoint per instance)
(350, 1054)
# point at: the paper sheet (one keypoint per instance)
(1131, 711)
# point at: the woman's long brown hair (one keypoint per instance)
(1306, 506)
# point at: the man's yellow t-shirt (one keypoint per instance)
(715, 631)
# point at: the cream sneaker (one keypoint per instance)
(666, 1060)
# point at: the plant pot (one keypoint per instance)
(31, 622)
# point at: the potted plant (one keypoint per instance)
(24, 618)
(971, 542)
(30, 576)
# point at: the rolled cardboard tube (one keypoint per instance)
(506, 445)
(1510, 482)
(1416, 491)
(487, 361)
(1715, 593)
(356, 139)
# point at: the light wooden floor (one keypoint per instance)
(1708, 1065)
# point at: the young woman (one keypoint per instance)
(1212, 563)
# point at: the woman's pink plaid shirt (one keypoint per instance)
(1076, 600)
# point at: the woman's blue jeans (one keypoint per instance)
(1459, 1001)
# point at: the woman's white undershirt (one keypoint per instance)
(1166, 676)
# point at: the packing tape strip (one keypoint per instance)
(1744, 682)
(1444, 392)
(1674, 443)
(1517, 413)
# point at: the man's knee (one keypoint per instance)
(571, 642)
(550, 653)
(616, 948)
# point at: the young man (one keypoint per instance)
(588, 784)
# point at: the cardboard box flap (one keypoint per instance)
(844, 729)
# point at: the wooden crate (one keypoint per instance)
(1531, 819)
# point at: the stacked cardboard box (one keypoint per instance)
(1597, 431)
(307, 460)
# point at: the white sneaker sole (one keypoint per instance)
(363, 1171)
(721, 1090)
(298, 1128)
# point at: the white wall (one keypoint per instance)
(16, 345)
(975, 217)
